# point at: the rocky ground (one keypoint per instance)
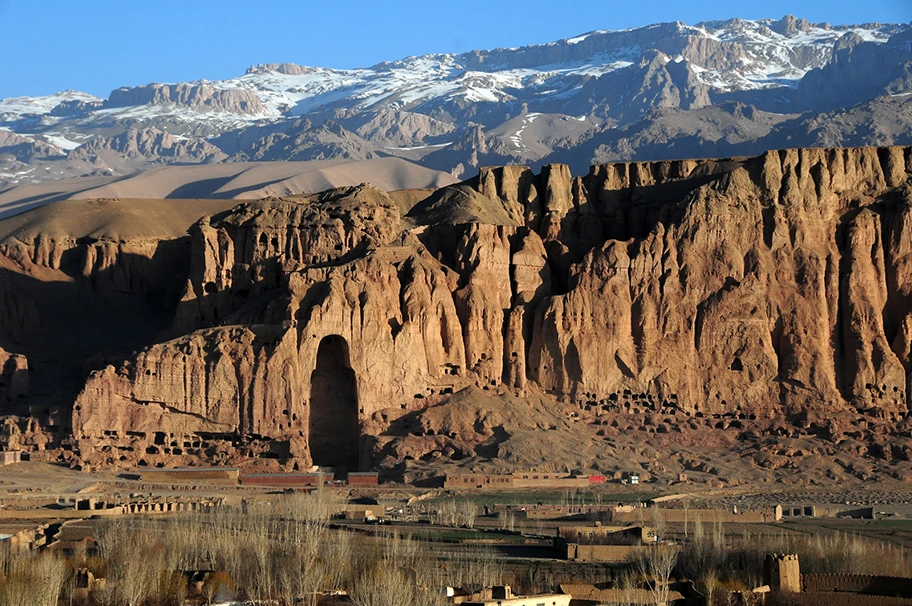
(481, 431)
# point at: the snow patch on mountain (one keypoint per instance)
(528, 119)
(61, 141)
(774, 59)
(16, 108)
(502, 105)
(769, 59)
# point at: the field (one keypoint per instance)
(263, 546)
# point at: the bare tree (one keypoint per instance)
(467, 512)
(708, 582)
(447, 513)
(659, 523)
(217, 586)
(29, 579)
(657, 564)
(686, 504)
(507, 520)
(631, 594)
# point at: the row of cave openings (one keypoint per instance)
(334, 428)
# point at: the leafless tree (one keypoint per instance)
(708, 583)
(29, 579)
(657, 564)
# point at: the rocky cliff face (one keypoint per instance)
(199, 96)
(146, 144)
(303, 141)
(23, 149)
(71, 304)
(14, 380)
(761, 287)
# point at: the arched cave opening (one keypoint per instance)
(334, 429)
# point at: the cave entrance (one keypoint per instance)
(334, 429)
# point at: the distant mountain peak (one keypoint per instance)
(456, 111)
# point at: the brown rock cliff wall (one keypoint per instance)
(764, 286)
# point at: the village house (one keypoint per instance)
(8, 457)
(611, 544)
(502, 595)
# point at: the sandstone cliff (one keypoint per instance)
(762, 287)
(82, 284)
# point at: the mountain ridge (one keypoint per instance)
(456, 112)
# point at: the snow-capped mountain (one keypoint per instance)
(731, 86)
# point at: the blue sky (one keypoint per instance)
(98, 45)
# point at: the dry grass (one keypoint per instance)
(720, 563)
(715, 561)
(284, 553)
(30, 579)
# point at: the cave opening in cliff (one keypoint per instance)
(334, 429)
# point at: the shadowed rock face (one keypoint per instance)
(333, 430)
(768, 286)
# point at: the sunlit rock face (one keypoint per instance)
(765, 286)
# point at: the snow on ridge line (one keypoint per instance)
(410, 82)
(442, 76)
(581, 37)
(447, 60)
(27, 106)
(437, 75)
